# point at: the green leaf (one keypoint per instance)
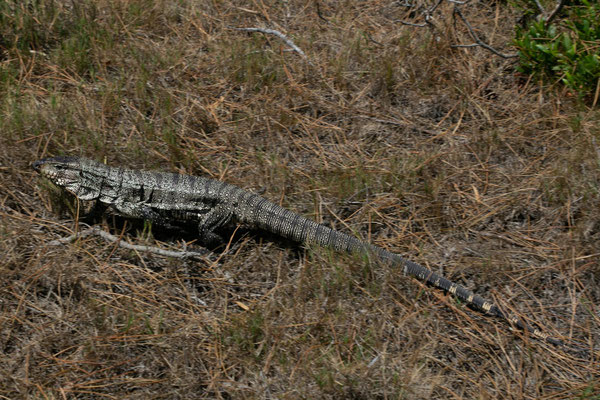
(543, 47)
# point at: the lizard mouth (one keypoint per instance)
(52, 169)
(43, 168)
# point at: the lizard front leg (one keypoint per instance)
(213, 220)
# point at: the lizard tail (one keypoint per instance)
(290, 225)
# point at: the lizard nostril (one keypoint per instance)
(37, 165)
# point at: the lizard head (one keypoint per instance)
(68, 173)
(62, 171)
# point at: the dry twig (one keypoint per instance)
(478, 41)
(280, 35)
(549, 17)
(136, 247)
(428, 18)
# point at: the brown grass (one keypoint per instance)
(444, 155)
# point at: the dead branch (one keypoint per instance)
(427, 16)
(478, 41)
(319, 12)
(114, 239)
(556, 10)
(539, 6)
(413, 24)
(280, 35)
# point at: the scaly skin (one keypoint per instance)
(167, 197)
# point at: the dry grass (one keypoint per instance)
(441, 154)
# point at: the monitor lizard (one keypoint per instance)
(165, 198)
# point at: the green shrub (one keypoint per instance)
(567, 50)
